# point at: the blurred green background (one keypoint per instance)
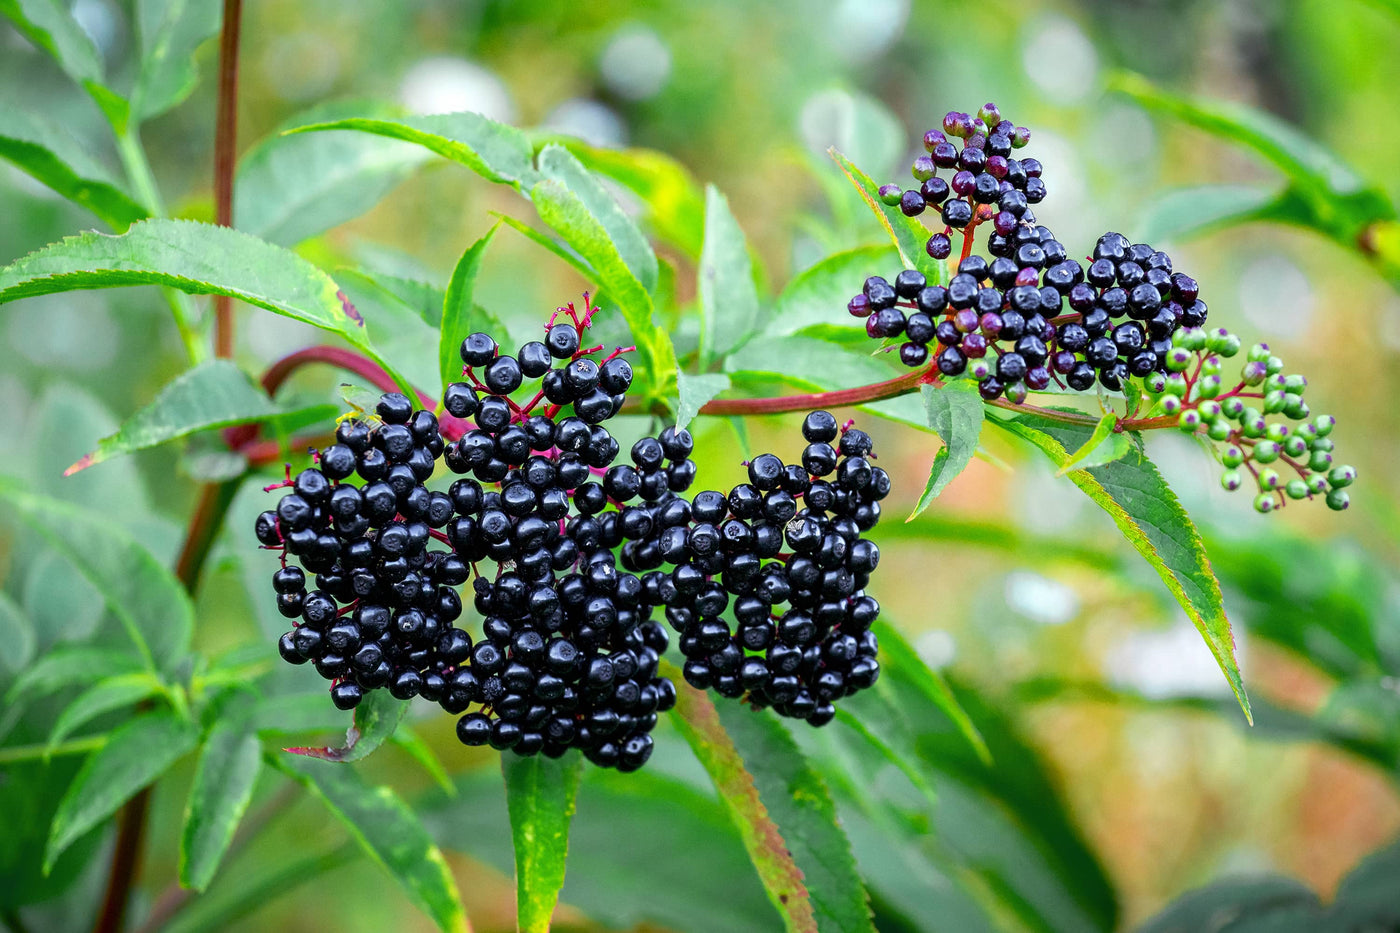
(1012, 583)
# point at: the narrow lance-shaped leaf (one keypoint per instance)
(955, 413)
(700, 723)
(108, 694)
(151, 604)
(50, 25)
(390, 833)
(909, 235)
(817, 296)
(374, 721)
(540, 795)
(214, 394)
(170, 31)
(546, 242)
(223, 787)
(693, 392)
(1148, 514)
(47, 152)
(67, 665)
(135, 755)
(1186, 212)
(729, 311)
(495, 151)
(458, 310)
(17, 635)
(1104, 445)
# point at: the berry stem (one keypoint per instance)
(225, 145)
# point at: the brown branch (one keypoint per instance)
(126, 861)
(225, 146)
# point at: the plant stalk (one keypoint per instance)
(225, 147)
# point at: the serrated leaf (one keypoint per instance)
(228, 769)
(47, 152)
(374, 721)
(675, 206)
(396, 329)
(423, 298)
(1103, 445)
(136, 754)
(955, 414)
(459, 312)
(291, 188)
(67, 665)
(700, 723)
(214, 394)
(495, 151)
(557, 163)
(390, 833)
(17, 635)
(694, 391)
(108, 694)
(570, 217)
(909, 235)
(200, 259)
(540, 795)
(153, 607)
(798, 801)
(729, 311)
(817, 296)
(50, 25)
(1148, 514)
(170, 31)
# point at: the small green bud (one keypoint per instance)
(1210, 410)
(1258, 353)
(1322, 443)
(1296, 489)
(1230, 347)
(1320, 461)
(1264, 503)
(1274, 365)
(1155, 383)
(1295, 407)
(1295, 383)
(1295, 447)
(1208, 386)
(1317, 484)
(1273, 402)
(1269, 479)
(1232, 456)
(1338, 500)
(1341, 476)
(1170, 404)
(1219, 429)
(1178, 358)
(1253, 373)
(1233, 408)
(1211, 366)
(1231, 480)
(1176, 385)
(1324, 424)
(1190, 421)
(1265, 452)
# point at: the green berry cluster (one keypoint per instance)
(1260, 421)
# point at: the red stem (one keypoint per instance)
(225, 145)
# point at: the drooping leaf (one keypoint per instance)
(700, 723)
(955, 414)
(223, 786)
(1188, 212)
(563, 251)
(389, 832)
(214, 394)
(909, 235)
(291, 188)
(675, 206)
(557, 163)
(1104, 445)
(1148, 514)
(413, 744)
(200, 259)
(570, 217)
(495, 151)
(729, 311)
(540, 794)
(818, 296)
(108, 694)
(423, 298)
(694, 391)
(374, 721)
(69, 665)
(170, 31)
(798, 801)
(47, 152)
(1241, 901)
(50, 25)
(17, 635)
(136, 754)
(151, 604)
(396, 329)
(459, 317)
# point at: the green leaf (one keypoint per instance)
(396, 329)
(540, 795)
(675, 207)
(223, 786)
(46, 151)
(700, 723)
(552, 245)
(291, 188)
(729, 311)
(420, 751)
(798, 801)
(495, 151)
(135, 755)
(567, 215)
(818, 295)
(170, 32)
(909, 235)
(955, 413)
(17, 635)
(459, 317)
(214, 394)
(694, 391)
(1188, 212)
(1104, 445)
(422, 298)
(389, 832)
(559, 164)
(69, 665)
(50, 25)
(151, 604)
(200, 259)
(375, 720)
(1148, 514)
(1242, 900)
(108, 694)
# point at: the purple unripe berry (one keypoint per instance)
(932, 138)
(957, 124)
(1019, 138)
(1005, 222)
(964, 182)
(890, 194)
(996, 166)
(923, 168)
(911, 203)
(989, 114)
(859, 306)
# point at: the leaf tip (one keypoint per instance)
(83, 462)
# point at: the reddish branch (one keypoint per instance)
(225, 145)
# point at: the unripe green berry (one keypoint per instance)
(1176, 385)
(1178, 358)
(1274, 366)
(1265, 452)
(1252, 424)
(1232, 456)
(1230, 347)
(1155, 383)
(1208, 386)
(1258, 353)
(1295, 407)
(923, 168)
(1269, 479)
(1219, 429)
(1324, 424)
(1170, 404)
(1317, 484)
(1276, 432)
(979, 369)
(1253, 373)
(1307, 431)
(1338, 500)
(1190, 421)
(1210, 410)
(1322, 443)
(890, 194)
(1320, 461)
(1295, 447)
(1296, 489)
(1233, 408)
(1341, 476)
(1211, 366)
(1273, 402)
(1016, 393)
(1216, 339)
(1231, 480)
(1265, 503)
(1193, 338)
(1295, 383)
